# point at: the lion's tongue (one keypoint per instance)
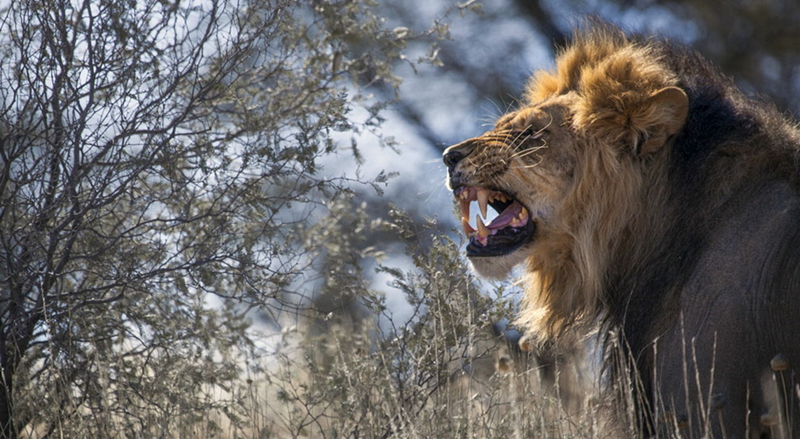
(514, 215)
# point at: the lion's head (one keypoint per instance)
(568, 173)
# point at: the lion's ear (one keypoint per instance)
(664, 114)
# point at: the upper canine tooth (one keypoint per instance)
(483, 231)
(464, 205)
(483, 198)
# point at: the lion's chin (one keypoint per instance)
(497, 267)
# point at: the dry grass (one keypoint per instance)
(345, 385)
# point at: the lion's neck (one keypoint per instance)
(587, 280)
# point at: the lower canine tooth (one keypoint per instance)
(483, 231)
(468, 230)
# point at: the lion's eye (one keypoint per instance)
(530, 133)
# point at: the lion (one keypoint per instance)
(652, 201)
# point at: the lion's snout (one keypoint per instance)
(456, 153)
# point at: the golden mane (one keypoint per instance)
(613, 75)
(615, 79)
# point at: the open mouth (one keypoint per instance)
(512, 227)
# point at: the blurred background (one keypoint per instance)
(228, 218)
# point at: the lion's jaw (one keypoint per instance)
(534, 242)
(496, 267)
(518, 233)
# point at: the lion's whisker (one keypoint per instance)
(533, 165)
(526, 152)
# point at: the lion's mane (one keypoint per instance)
(643, 221)
(680, 224)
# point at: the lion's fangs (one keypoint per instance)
(514, 214)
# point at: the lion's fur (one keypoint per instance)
(615, 78)
(652, 167)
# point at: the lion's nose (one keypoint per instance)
(456, 153)
(450, 158)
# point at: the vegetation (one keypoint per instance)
(175, 261)
(159, 175)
